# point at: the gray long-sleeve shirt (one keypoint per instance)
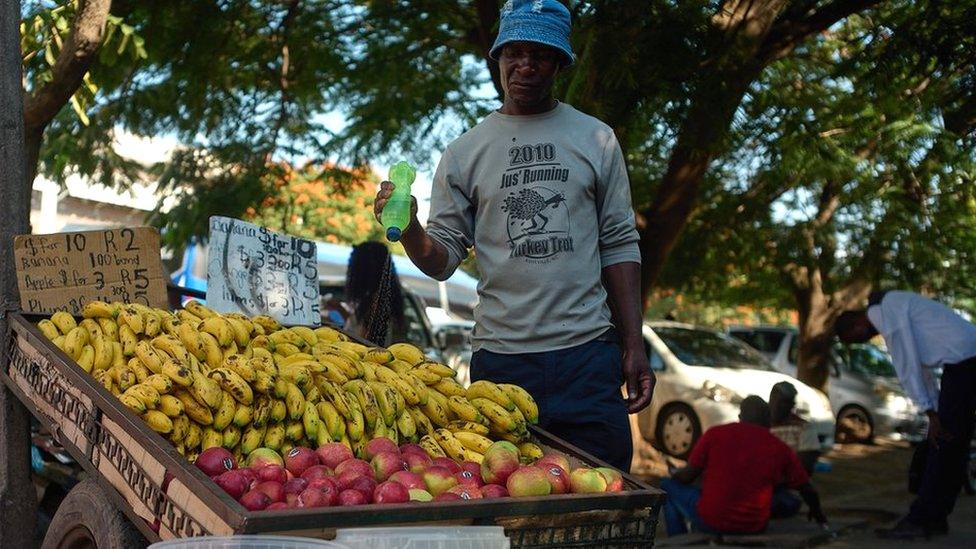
(545, 202)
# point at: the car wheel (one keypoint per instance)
(678, 429)
(854, 425)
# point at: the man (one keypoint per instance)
(922, 335)
(540, 190)
(798, 435)
(740, 464)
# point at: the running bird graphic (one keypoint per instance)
(528, 206)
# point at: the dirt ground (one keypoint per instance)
(866, 489)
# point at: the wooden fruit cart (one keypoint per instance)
(163, 496)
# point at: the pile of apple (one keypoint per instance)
(333, 476)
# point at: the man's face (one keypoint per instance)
(528, 70)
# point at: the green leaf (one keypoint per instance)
(76, 105)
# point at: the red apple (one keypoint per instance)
(263, 457)
(360, 466)
(234, 482)
(409, 479)
(366, 485)
(558, 479)
(491, 491)
(438, 480)
(276, 473)
(380, 444)
(313, 497)
(615, 480)
(447, 496)
(416, 462)
(553, 458)
(417, 494)
(469, 479)
(292, 499)
(585, 480)
(472, 466)
(255, 500)
(448, 463)
(410, 448)
(216, 460)
(300, 458)
(277, 505)
(333, 453)
(317, 471)
(327, 485)
(250, 475)
(467, 491)
(274, 490)
(352, 497)
(391, 492)
(501, 460)
(386, 463)
(528, 480)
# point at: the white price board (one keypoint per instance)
(254, 270)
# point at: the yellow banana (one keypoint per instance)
(406, 425)
(307, 334)
(523, 401)
(424, 425)
(473, 441)
(59, 342)
(279, 410)
(242, 328)
(437, 368)
(171, 346)
(170, 405)
(469, 426)
(128, 340)
(430, 445)
(286, 337)
(337, 397)
(211, 439)
(212, 354)
(391, 378)
(64, 321)
(464, 410)
(232, 436)
(180, 373)
(92, 327)
(407, 353)
(198, 309)
(109, 328)
(151, 323)
(296, 373)
(349, 368)
(357, 349)
(98, 309)
(161, 383)
(191, 340)
(181, 426)
(220, 328)
(149, 396)
(233, 384)
(267, 323)
(150, 358)
(264, 382)
(274, 436)
(426, 376)
(312, 422)
(193, 409)
(104, 379)
(170, 324)
(131, 317)
(449, 387)
(157, 421)
(262, 412)
(369, 371)
(496, 414)
(225, 411)
(378, 355)
(325, 333)
(104, 352)
(134, 364)
(331, 419)
(294, 401)
(186, 316)
(451, 446)
(74, 341)
(49, 329)
(252, 438)
(295, 359)
(241, 366)
(435, 412)
(294, 430)
(334, 348)
(124, 377)
(193, 437)
(385, 402)
(399, 366)
(490, 391)
(418, 386)
(87, 358)
(243, 415)
(530, 451)
(133, 403)
(356, 423)
(367, 400)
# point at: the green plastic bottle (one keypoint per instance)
(396, 213)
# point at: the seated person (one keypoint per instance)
(796, 433)
(739, 463)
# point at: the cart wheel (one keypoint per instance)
(86, 520)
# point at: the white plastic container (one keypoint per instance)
(247, 542)
(424, 537)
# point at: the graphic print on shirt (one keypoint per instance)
(538, 218)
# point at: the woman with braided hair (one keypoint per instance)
(374, 297)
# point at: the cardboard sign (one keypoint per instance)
(254, 270)
(63, 271)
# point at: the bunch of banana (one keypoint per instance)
(203, 379)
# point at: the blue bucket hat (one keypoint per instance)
(541, 21)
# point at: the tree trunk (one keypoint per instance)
(18, 505)
(816, 336)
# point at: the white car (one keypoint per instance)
(702, 377)
(864, 392)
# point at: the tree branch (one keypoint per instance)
(73, 62)
(788, 33)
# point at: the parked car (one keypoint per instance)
(702, 377)
(453, 336)
(863, 388)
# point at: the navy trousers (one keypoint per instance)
(945, 465)
(578, 393)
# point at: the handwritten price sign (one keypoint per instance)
(66, 270)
